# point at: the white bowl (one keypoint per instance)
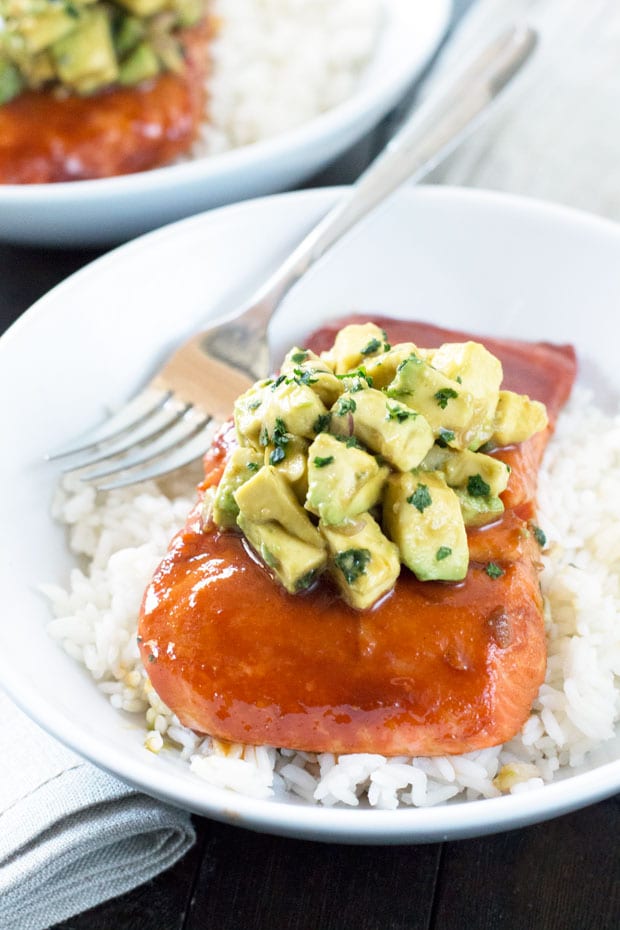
(115, 209)
(488, 263)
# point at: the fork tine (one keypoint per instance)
(161, 419)
(189, 424)
(190, 451)
(143, 405)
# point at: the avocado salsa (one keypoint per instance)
(368, 457)
(85, 46)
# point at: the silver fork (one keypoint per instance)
(170, 422)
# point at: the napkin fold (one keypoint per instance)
(555, 135)
(72, 836)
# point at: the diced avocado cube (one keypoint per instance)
(482, 472)
(294, 562)
(363, 562)
(480, 373)
(382, 368)
(354, 346)
(189, 12)
(291, 460)
(517, 418)
(144, 8)
(422, 515)
(268, 498)
(85, 59)
(296, 406)
(46, 26)
(249, 413)
(399, 434)
(342, 481)
(311, 370)
(128, 33)
(477, 511)
(140, 65)
(11, 82)
(445, 404)
(478, 480)
(242, 465)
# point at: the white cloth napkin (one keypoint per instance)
(556, 135)
(72, 836)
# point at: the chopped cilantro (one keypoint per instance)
(346, 405)
(477, 486)
(444, 395)
(279, 438)
(421, 498)
(302, 377)
(459, 379)
(493, 570)
(386, 346)
(352, 563)
(320, 461)
(278, 382)
(442, 553)
(253, 466)
(445, 436)
(300, 357)
(373, 346)
(351, 442)
(539, 536)
(321, 424)
(400, 414)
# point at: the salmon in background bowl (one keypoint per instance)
(275, 119)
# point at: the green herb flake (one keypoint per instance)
(442, 553)
(400, 414)
(493, 570)
(477, 486)
(346, 405)
(278, 455)
(263, 438)
(302, 377)
(539, 536)
(352, 563)
(386, 346)
(320, 461)
(254, 404)
(445, 436)
(253, 466)
(421, 498)
(278, 382)
(373, 346)
(321, 424)
(458, 379)
(444, 395)
(300, 357)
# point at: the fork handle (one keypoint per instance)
(427, 137)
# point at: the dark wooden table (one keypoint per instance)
(560, 875)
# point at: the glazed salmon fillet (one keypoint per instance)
(46, 139)
(433, 668)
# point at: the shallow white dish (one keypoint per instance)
(116, 209)
(489, 263)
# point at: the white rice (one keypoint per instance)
(277, 64)
(123, 534)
